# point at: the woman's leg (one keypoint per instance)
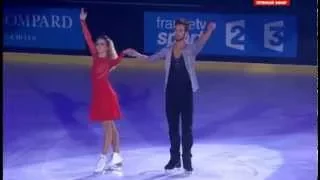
(107, 139)
(116, 161)
(115, 139)
(107, 125)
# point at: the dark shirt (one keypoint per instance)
(179, 79)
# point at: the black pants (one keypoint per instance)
(179, 104)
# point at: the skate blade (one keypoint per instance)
(118, 173)
(96, 173)
(115, 166)
(114, 170)
(187, 173)
(99, 171)
(103, 171)
(171, 171)
(119, 163)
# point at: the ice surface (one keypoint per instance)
(246, 127)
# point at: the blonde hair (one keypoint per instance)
(112, 53)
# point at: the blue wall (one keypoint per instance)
(126, 25)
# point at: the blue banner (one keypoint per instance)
(235, 35)
(47, 28)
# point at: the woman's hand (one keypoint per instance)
(83, 15)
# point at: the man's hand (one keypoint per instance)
(211, 26)
(131, 52)
(204, 37)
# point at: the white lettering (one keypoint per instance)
(20, 37)
(272, 2)
(66, 22)
(165, 38)
(201, 24)
(165, 27)
(235, 35)
(43, 22)
(274, 36)
(38, 21)
(169, 24)
(55, 21)
(35, 21)
(162, 38)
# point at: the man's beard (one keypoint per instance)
(180, 39)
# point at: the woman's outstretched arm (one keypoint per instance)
(86, 32)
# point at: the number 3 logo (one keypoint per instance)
(274, 36)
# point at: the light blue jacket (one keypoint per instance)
(189, 54)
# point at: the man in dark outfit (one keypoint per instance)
(179, 103)
(181, 82)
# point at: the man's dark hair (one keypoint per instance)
(183, 22)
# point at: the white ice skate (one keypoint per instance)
(188, 173)
(115, 164)
(101, 164)
(116, 161)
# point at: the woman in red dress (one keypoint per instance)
(105, 105)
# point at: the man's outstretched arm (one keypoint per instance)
(199, 43)
(157, 56)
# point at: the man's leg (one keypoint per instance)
(187, 136)
(173, 114)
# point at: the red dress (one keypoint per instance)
(105, 104)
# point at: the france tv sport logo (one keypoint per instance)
(273, 37)
(167, 25)
(159, 29)
(235, 35)
(260, 36)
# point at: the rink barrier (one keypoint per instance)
(132, 63)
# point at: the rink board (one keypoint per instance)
(140, 64)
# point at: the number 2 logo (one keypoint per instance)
(274, 36)
(235, 35)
